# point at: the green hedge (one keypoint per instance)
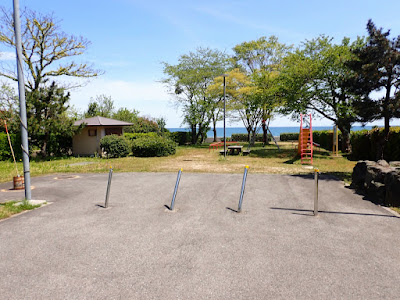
(289, 136)
(181, 137)
(325, 139)
(115, 146)
(5, 152)
(365, 144)
(133, 136)
(153, 146)
(322, 137)
(242, 137)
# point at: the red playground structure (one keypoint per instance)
(305, 147)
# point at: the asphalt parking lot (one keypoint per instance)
(74, 248)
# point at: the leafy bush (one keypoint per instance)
(325, 139)
(242, 137)
(143, 125)
(133, 136)
(289, 136)
(153, 146)
(322, 137)
(5, 152)
(181, 137)
(115, 146)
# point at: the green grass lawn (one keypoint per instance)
(193, 159)
(11, 208)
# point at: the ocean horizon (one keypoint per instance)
(276, 131)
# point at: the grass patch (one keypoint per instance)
(10, 208)
(396, 209)
(193, 159)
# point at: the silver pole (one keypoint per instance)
(243, 186)
(175, 190)
(316, 173)
(224, 117)
(108, 186)
(22, 103)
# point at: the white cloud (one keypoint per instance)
(7, 55)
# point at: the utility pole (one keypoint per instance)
(22, 103)
(224, 75)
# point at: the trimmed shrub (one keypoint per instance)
(365, 144)
(153, 146)
(289, 136)
(242, 137)
(133, 136)
(322, 137)
(115, 146)
(325, 139)
(181, 137)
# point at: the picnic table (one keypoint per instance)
(235, 150)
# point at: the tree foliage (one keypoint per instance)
(47, 115)
(313, 80)
(377, 69)
(47, 51)
(102, 106)
(188, 82)
(261, 61)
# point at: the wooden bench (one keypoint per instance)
(246, 152)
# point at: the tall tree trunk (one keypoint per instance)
(43, 151)
(194, 134)
(380, 154)
(215, 129)
(265, 133)
(346, 144)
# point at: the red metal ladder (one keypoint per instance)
(305, 148)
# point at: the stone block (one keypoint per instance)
(392, 183)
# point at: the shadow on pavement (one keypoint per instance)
(297, 210)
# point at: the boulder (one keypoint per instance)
(379, 180)
(392, 185)
(383, 163)
(359, 173)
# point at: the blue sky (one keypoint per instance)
(130, 38)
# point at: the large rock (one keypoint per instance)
(379, 180)
(392, 184)
(359, 174)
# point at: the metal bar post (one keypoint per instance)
(108, 186)
(22, 102)
(316, 175)
(243, 186)
(224, 116)
(175, 190)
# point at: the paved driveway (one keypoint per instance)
(137, 249)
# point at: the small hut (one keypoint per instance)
(87, 142)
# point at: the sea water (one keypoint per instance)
(276, 131)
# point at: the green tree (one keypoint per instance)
(125, 114)
(102, 106)
(8, 107)
(188, 82)
(47, 51)
(377, 69)
(262, 60)
(47, 117)
(314, 79)
(143, 125)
